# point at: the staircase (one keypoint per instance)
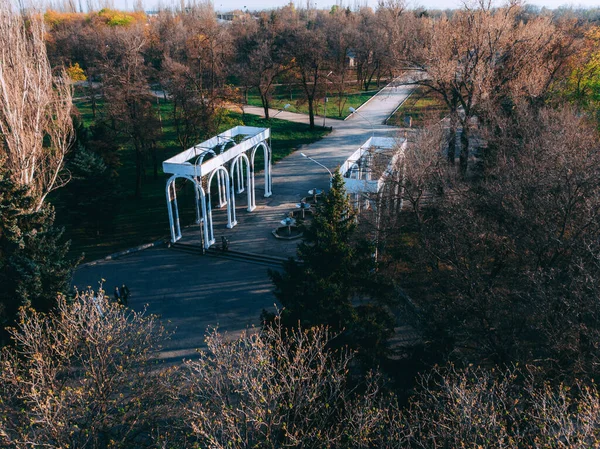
(259, 259)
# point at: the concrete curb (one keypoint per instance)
(385, 122)
(366, 102)
(126, 252)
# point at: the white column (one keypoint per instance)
(249, 189)
(222, 193)
(224, 187)
(177, 225)
(170, 211)
(397, 200)
(228, 200)
(267, 153)
(231, 205)
(211, 236)
(197, 198)
(205, 222)
(252, 192)
(240, 178)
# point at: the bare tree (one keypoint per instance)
(281, 388)
(81, 377)
(367, 45)
(481, 57)
(307, 48)
(35, 106)
(340, 34)
(515, 255)
(422, 168)
(194, 118)
(500, 408)
(207, 53)
(129, 101)
(260, 56)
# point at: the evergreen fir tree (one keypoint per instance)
(34, 267)
(334, 281)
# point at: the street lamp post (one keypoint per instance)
(354, 111)
(318, 163)
(280, 111)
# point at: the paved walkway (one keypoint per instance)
(191, 292)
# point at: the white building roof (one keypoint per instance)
(191, 161)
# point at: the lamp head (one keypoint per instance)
(303, 155)
(351, 109)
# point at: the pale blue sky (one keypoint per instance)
(227, 5)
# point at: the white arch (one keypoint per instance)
(226, 141)
(173, 209)
(235, 169)
(231, 222)
(240, 178)
(267, 153)
(222, 193)
(200, 159)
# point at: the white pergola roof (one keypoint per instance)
(185, 163)
(375, 144)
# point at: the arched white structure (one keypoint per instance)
(237, 171)
(220, 158)
(373, 177)
(173, 210)
(267, 154)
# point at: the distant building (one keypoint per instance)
(350, 57)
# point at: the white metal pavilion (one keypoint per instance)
(228, 157)
(369, 169)
(373, 177)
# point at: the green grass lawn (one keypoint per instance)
(421, 106)
(143, 220)
(336, 107)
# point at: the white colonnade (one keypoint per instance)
(212, 160)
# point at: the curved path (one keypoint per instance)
(192, 293)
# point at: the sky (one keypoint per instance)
(228, 5)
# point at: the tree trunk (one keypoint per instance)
(359, 75)
(265, 103)
(464, 147)
(452, 138)
(369, 77)
(311, 113)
